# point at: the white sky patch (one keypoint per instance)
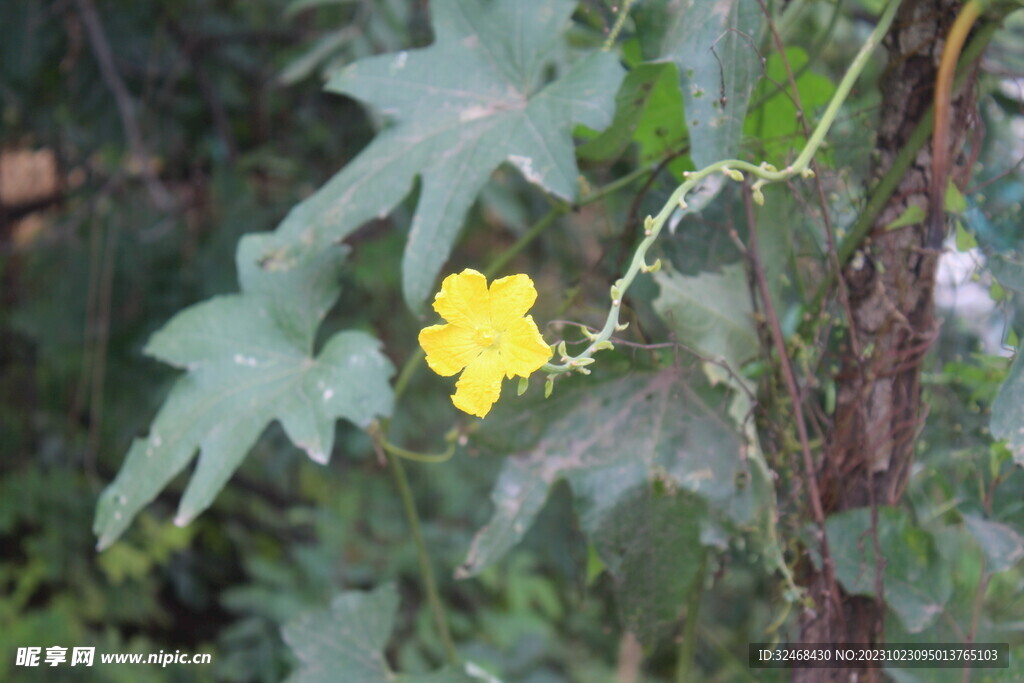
(966, 297)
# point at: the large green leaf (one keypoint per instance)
(346, 642)
(710, 43)
(711, 313)
(916, 581)
(475, 98)
(1007, 421)
(612, 440)
(661, 130)
(249, 361)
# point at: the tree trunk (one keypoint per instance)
(870, 448)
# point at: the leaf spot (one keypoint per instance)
(477, 111)
(328, 393)
(525, 166)
(245, 360)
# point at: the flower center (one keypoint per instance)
(486, 336)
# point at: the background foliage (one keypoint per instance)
(629, 500)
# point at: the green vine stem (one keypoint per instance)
(685, 666)
(620, 21)
(734, 169)
(426, 570)
(376, 433)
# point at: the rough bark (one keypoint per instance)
(878, 414)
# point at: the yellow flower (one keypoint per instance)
(488, 334)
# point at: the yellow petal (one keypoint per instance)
(511, 298)
(449, 348)
(463, 300)
(480, 384)
(523, 350)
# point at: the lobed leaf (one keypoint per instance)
(249, 361)
(475, 98)
(612, 443)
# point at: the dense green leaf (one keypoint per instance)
(634, 96)
(649, 112)
(615, 439)
(710, 313)
(662, 132)
(476, 98)
(709, 41)
(249, 360)
(775, 122)
(346, 642)
(917, 583)
(1003, 546)
(651, 545)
